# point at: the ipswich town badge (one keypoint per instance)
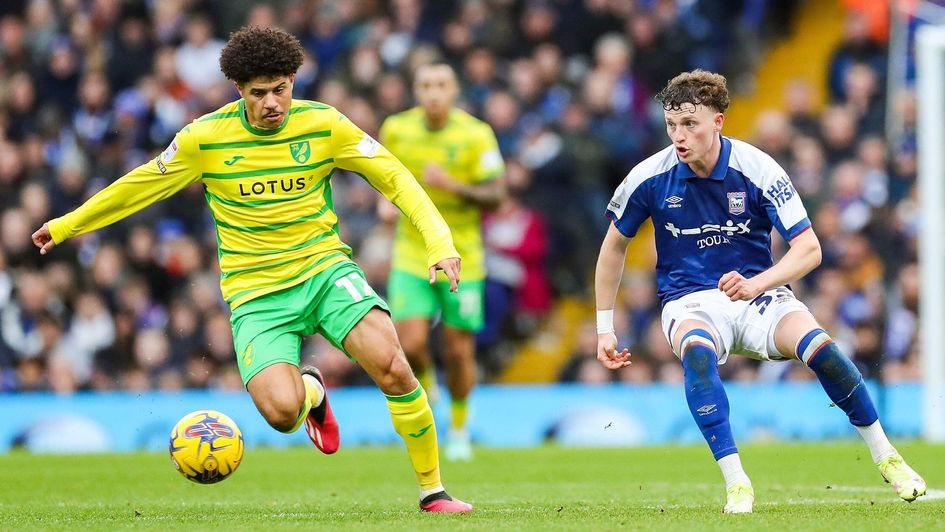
(736, 202)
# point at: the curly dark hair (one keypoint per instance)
(698, 87)
(254, 52)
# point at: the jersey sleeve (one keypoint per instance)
(488, 163)
(162, 177)
(356, 151)
(628, 207)
(782, 203)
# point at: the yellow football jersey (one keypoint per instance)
(466, 148)
(269, 192)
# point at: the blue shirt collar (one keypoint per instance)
(721, 166)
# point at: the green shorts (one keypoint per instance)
(413, 297)
(269, 329)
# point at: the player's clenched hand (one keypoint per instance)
(607, 352)
(43, 239)
(451, 268)
(737, 287)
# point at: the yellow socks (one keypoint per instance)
(427, 380)
(413, 420)
(458, 413)
(313, 397)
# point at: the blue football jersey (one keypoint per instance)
(707, 227)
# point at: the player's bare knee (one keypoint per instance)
(460, 345)
(457, 355)
(281, 411)
(396, 377)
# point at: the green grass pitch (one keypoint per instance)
(810, 486)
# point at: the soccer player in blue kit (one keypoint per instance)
(714, 201)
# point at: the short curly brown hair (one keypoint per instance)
(698, 87)
(254, 52)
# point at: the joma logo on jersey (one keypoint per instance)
(300, 151)
(781, 191)
(736, 202)
(261, 187)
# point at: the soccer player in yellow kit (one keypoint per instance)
(456, 159)
(265, 162)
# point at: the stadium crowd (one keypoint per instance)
(92, 88)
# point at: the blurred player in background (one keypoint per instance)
(714, 201)
(456, 159)
(266, 162)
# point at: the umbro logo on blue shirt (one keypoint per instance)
(674, 201)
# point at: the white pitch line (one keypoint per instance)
(930, 495)
(888, 498)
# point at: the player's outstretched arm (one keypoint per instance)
(356, 151)
(803, 256)
(153, 181)
(613, 255)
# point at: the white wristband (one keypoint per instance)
(605, 321)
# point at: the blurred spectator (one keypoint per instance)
(28, 325)
(863, 97)
(21, 102)
(902, 332)
(502, 111)
(93, 118)
(582, 366)
(517, 291)
(773, 135)
(849, 195)
(91, 330)
(799, 105)
(856, 47)
(657, 56)
(131, 54)
(838, 131)
(808, 169)
(198, 57)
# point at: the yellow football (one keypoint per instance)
(206, 446)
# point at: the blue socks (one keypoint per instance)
(839, 377)
(704, 393)
(709, 405)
